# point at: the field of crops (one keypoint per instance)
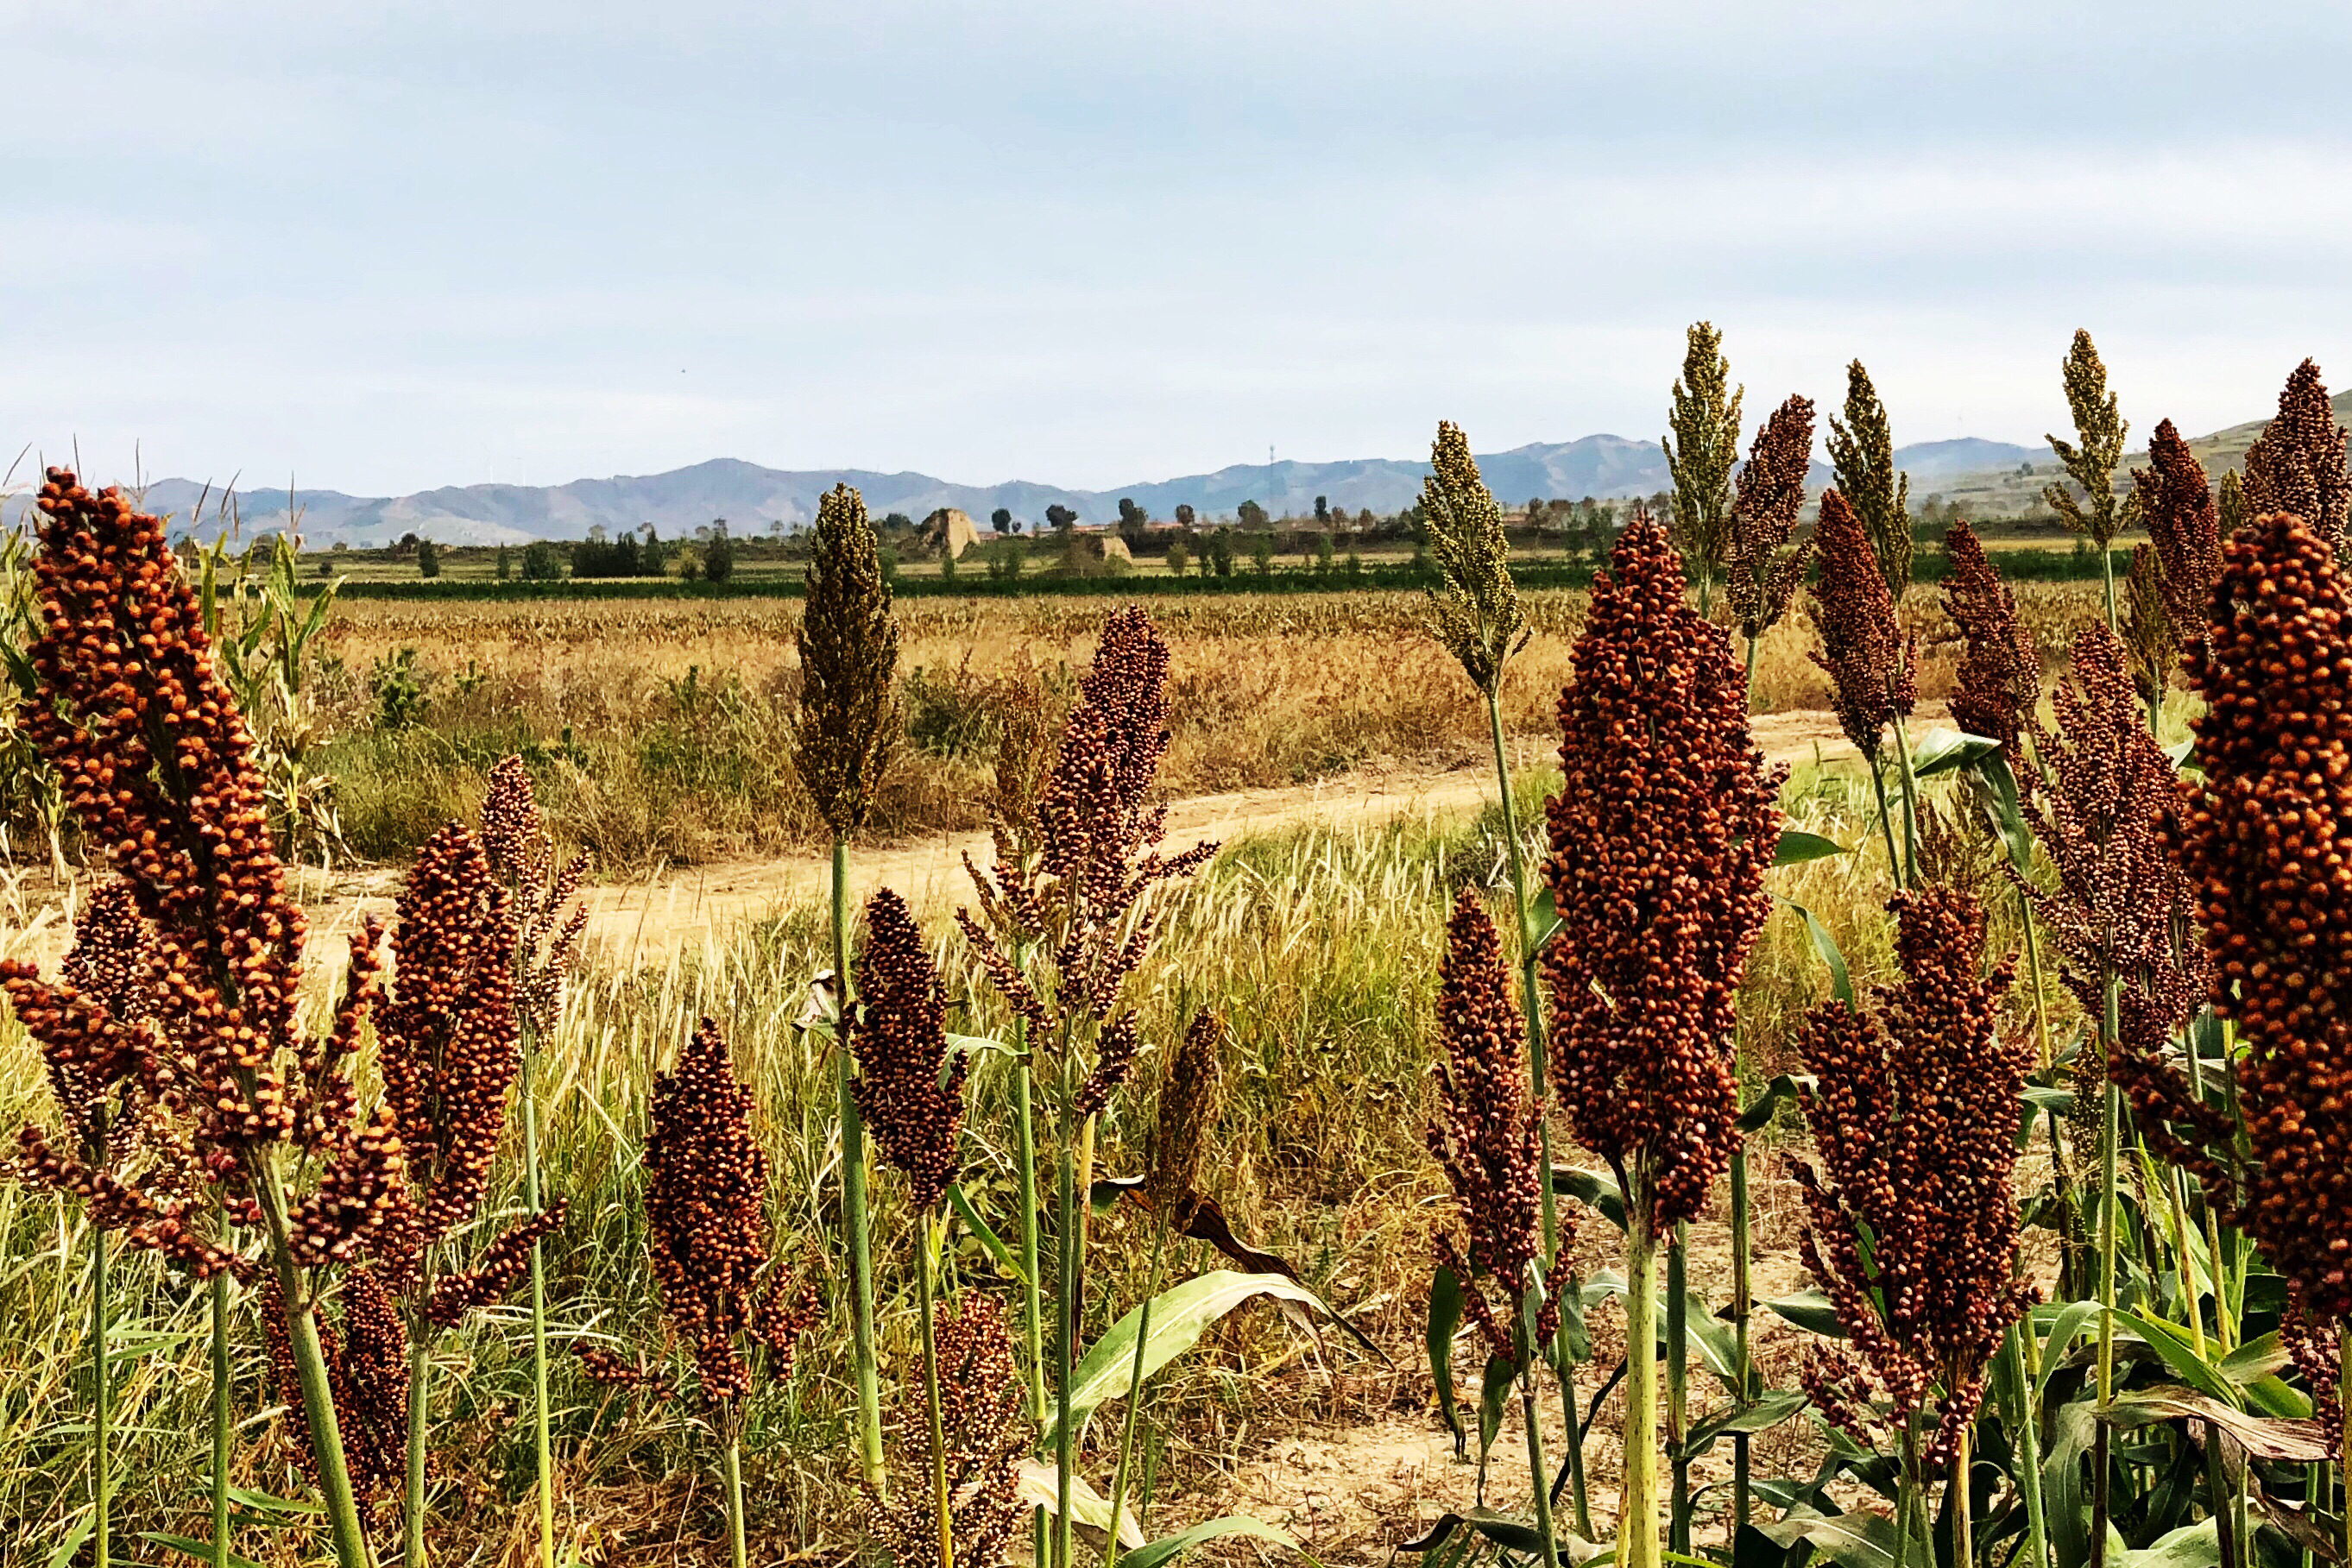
(1928, 1148)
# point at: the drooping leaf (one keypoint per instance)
(2070, 1320)
(2264, 1437)
(1851, 1539)
(1990, 779)
(2197, 1545)
(1764, 1106)
(1039, 1485)
(1766, 1413)
(2171, 1340)
(1445, 1307)
(1942, 749)
(1494, 1393)
(1796, 846)
(1825, 946)
(990, 1243)
(1510, 1534)
(1809, 1311)
(1597, 1191)
(1168, 1548)
(1179, 1318)
(1542, 921)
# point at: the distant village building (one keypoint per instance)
(950, 531)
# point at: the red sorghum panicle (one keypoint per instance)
(2315, 1346)
(367, 1368)
(1760, 572)
(2176, 504)
(1099, 855)
(706, 1203)
(2296, 466)
(1871, 662)
(445, 1038)
(1484, 1133)
(548, 922)
(910, 1093)
(2000, 677)
(157, 766)
(2097, 808)
(2259, 828)
(1913, 1230)
(980, 1399)
(1660, 836)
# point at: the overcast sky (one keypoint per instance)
(385, 246)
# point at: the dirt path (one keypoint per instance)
(671, 909)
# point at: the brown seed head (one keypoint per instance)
(1872, 665)
(2000, 672)
(1913, 1230)
(1660, 837)
(1762, 570)
(980, 1409)
(909, 1090)
(2176, 504)
(849, 651)
(705, 1219)
(2259, 831)
(2297, 465)
(1190, 1098)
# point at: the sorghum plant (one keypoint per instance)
(1700, 455)
(2176, 503)
(1660, 836)
(2151, 648)
(1482, 624)
(848, 724)
(158, 767)
(980, 1390)
(1862, 455)
(911, 1096)
(1761, 569)
(1058, 934)
(2091, 459)
(1914, 1232)
(2296, 464)
(448, 1046)
(547, 928)
(1872, 663)
(1484, 1137)
(367, 1361)
(707, 1232)
(2118, 917)
(2256, 831)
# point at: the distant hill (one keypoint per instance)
(752, 497)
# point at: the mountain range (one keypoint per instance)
(753, 498)
(1990, 476)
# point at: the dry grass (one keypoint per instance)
(662, 728)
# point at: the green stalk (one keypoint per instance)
(1538, 1074)
(541, 1439)
(335, 1494)
(1910, 804)
(1065, 1328)
(1678, 1517)
(1906, 1493)
(2110, 1202)
(218, 1287)
(101, 1437)
(854, 1220)
(1135, 1395)
(1963, 1527)
(1031, 1285)
(1539, 1472)
(2029, 1450)
(730, 1472)
(2107, 566)
(2343, 1431)
(1742, 1290)
(412, 1508)
(1886, 822)
(1637, 1510)
(940, 1508)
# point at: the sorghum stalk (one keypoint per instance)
(1742, 1304)
(1637, 1514)
(2029, 1448)
(101, 1438)
(541, 1436)
(730, 1476)
(342, 1504)
(857, 1221)
(411, 1507)
(2110, 1201)
(1134, 1392)
(216, 1290)
(848, 724)
(926, 1263)
(1906, 1495)
(1678, 1513)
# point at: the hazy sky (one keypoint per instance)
(389, 246)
